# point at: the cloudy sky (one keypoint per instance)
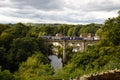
(58, 11)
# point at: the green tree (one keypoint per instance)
(90, 28)
(71, 31)
(20, 50)
(21, 29)
(63, 29)
(36, 31)
(3, 27)
(101, 57)
(110, 32)
(16, 31)
(35, 68)
(77, 30)
(3, 57)
(6, 75)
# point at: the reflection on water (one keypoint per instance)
(55, 62)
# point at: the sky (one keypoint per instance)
(58, 11)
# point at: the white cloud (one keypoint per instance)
(58, 11)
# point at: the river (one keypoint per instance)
(55, 62)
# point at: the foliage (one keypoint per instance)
(34, 32)
(35, 68)
(3, 27)
(6, 75)
(15, 47)
(71, 31)
(96, 58)
(110, 33)
(20, 46)
(90, 28)
(20, 50)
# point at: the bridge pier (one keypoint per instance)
(64, 53)
(82, 44)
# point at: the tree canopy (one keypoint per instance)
(100, 57)
(25, 55)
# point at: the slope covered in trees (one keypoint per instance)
(101, 57)
(18, 50)
(25, 55)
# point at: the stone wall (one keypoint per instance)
(108, 75)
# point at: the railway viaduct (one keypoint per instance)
(78, 45)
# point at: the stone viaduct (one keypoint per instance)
(77, 44)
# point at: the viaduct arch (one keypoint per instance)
(80, 45)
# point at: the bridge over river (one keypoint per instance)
(78, 43)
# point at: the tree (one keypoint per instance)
(110, 32)
(35, 32)
(21, 29)
(103, 56)
(6, 75)
(63, 29)
(71, 31)
(35, 68)
(77, 30)
(16, 31)
(3, 57)
(3, 27)
(20, 50)
(90, 28)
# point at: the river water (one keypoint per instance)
(56, 62)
